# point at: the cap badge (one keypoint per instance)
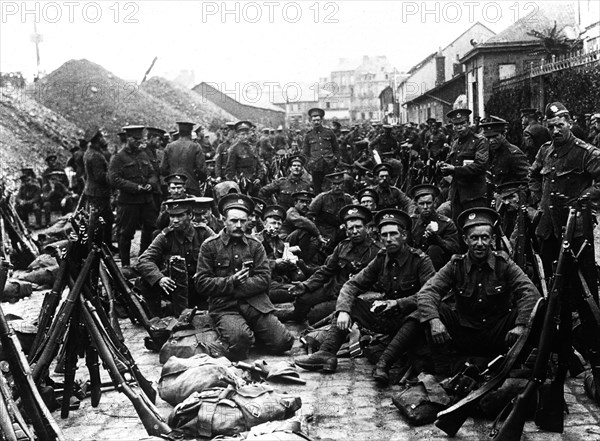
(459, 115)
(472, 216)
(388, 216)
(554, 108)
(240, 201)
(353, 211)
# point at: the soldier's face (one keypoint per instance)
(243, 136)
(368, 202)
(384, 177)
(336, 187)
(176, 190)
(316, 120)
(425, 205)
(236, 222)
(393, 237)
(356, 230)
(302, 205)
(479, 239)
(511, 202)
(461, 129)
(296, 168)
(560, 129)
(273, 225)
(180, 222)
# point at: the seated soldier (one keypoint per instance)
(176, 189)
(299, 230)
(434, 234)
(161, 262)
(233, 272)
(29, 199)
(316, 297)
(398, 271)
(283, 269)
(512, 195)
(255, 224)
(55, 196)
(202, 210)
(493, 297)
(368, 198)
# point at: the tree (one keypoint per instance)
(555, 42)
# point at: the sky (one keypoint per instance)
(229, 42)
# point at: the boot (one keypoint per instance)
(324, 359)
(124, 252)
(399, 344)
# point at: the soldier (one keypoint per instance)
(320, 149)
(398, 271)
(130, 171)
(325, 208)
(176, 190)
(243, 165)
(512, 195)
(317, 295)
(436, 141)
(283, 188)
(202, 210)
(29, 199)
(180, 239)
(52, 166)
(233, 272)
(564, 170)
(388, 195)
(55, 196)
(385, 143)
(299, 230)
(185, 156)
(76, 162)
(467, 164)
(266, 150)
(434, 234)
(97, 188)
(222, 152)
(507, 162)
(494, 298)
(534, 134)
(369, 199)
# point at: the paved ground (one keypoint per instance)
(344, 406)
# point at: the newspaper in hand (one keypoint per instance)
(288, 253)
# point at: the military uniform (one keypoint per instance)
(385, 144)
(324, 209)
(534, 136)
(321, 151)
(128, 172)
(491, 298)
(245, 311)
(323, 287)
(507, 163)
(441, 245)
(97, 189)
(221, 156)
(393, 197)
(470, 157)
(152, 266)
(243, 160)
(284, 188)
(185, 156)
(29, 199)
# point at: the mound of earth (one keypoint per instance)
(29, 132)
(200, 111)
(90, 96)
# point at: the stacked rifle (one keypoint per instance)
(86, 326)
(17, 247)
(574, 288)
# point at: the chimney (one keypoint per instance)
(457, 67)
(440, 68)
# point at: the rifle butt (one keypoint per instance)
(91, 361)
(451, 421)
(512, 427)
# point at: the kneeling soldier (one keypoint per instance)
(494, 298)
(399, 272)
(233, 271)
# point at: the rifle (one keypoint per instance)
(452, 419)
(512, 428)
(151, 419)
(519, 255)
(112, 313)
(503, 240)
(43, 423)
(6, 247)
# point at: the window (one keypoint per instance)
(506, 71)
(328, 105)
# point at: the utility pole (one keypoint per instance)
(37, 39)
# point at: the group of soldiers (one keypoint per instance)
(322, 217)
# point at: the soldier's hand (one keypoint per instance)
(383, 307)
(446, 169)
(298, 289)
(256, 181)
(344, 321)
(514, 334)
(323, 240)
(241, 276)
(439, 333)
(167, 284)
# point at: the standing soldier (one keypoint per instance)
(130, 171)
(385, 142)
(222, 152)
(467, 164)
(507, 162)
(29, 199)
(434, 234)
(534, 134)
(243, 165)
(279, 141)
(320, 149)
(283, 188)
(564, 170)
(233, 272)
(185, 156)
(97, 189)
